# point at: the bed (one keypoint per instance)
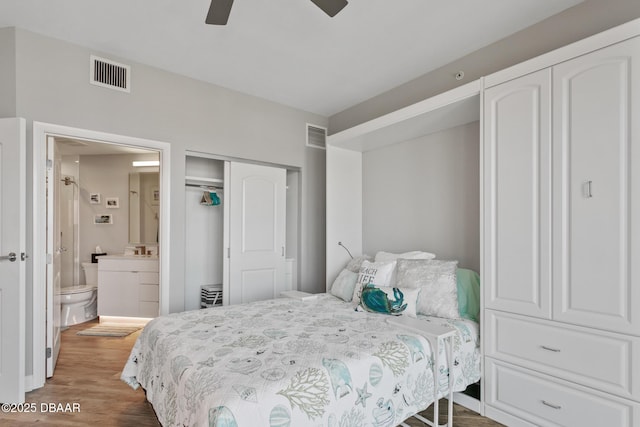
(289, 362)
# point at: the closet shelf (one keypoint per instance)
(203, 181)
(196, 179)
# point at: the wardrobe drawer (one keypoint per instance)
(600, 360)
(545, 401)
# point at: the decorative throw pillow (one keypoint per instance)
(343, 285)
(388, 300)
(437, 282)
(377, 273)
(355, 263)
(389, 256)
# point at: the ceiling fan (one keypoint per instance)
(220, 9)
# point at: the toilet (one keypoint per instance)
(80, 303)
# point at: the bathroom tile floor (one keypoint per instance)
(88, 375)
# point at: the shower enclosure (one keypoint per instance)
(69, 227)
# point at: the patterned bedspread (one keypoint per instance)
(287, 362)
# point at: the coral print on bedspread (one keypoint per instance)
(287, 362)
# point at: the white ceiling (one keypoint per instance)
(287, 51)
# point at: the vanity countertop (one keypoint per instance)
(133, 257)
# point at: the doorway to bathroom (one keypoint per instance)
(89, 207)
(105, 202)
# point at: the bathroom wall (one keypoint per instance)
(107, 175)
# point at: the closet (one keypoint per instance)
(204, 227)
(237, 230)
(561, 246)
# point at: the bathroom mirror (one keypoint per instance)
(144, 207)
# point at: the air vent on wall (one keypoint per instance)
(316, 136)
(110, 74)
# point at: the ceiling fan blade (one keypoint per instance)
(330, 7)
(219, 12)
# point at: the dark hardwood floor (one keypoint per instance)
(88, 375)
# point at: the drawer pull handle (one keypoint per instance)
(555, 350)
(551, 405)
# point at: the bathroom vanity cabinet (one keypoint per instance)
(128, 286)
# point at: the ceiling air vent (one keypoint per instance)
(316, 136)
(110, 74)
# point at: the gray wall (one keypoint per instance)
(573, 24)
(51, 85)
(424, 194)
(7, 73)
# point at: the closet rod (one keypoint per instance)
(204, 187)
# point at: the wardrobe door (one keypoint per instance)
(517, 195)
(597, 189)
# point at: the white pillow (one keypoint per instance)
(344, 284)
(388, 256)
(378, 273)
(437, 282)
(355, 263)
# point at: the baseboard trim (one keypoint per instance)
(468, 402)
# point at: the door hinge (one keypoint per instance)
(48, 352)
(228, 252)
(49, 259)
(49, 163)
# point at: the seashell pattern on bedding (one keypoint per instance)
(287, 362)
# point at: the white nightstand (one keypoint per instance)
(435, 334)
(302, 296)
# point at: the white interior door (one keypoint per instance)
(256, 197)
(54, 248)
(12, 266)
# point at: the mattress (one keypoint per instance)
(288, 362)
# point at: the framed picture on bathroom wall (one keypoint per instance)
(103, 219)
(112, 202)
(94, 198)
(155, 196)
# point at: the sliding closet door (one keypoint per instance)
(256, 197)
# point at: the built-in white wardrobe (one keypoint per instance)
(240, 220)
(562, 237)
(559, 223)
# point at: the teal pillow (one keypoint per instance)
(468, 282)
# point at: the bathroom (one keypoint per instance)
(107, 202)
